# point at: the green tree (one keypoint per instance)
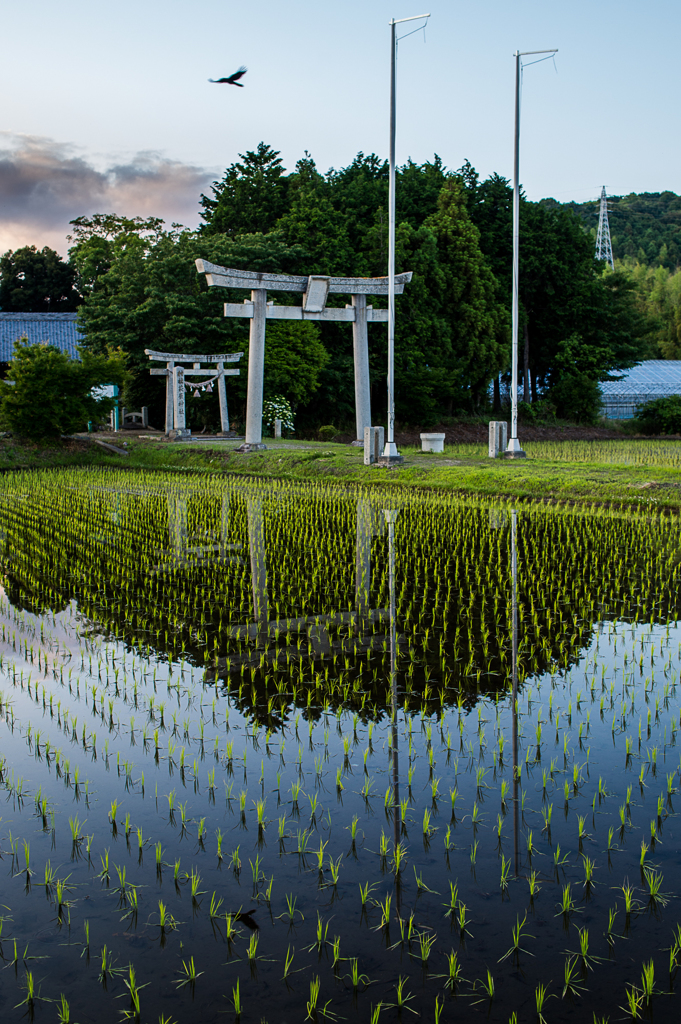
(658, 298)
(313, 223)
(94, 241)
(37, 281)
(251, 197)
(51, 393)
(294, 360)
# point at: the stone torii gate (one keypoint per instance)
(316, 288)
(175, 384)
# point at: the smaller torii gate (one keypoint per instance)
(175, 384)
(316, 289)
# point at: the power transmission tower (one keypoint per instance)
(603, 243)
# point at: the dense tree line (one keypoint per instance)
(37, 281)
(658, 298)
(140, 290)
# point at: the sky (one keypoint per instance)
(106, 107)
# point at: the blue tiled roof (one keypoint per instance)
(58, 329)
(651, 378)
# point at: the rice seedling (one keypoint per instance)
(334, 868)
(402, 998)
(236, 999)
(517, 937)
(654, 881)
(384, 907)
(567, 903)
(628, 893)
(540, 996)
(486, 986)
(189, 974)
(572, 984)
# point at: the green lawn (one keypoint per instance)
(632, 473)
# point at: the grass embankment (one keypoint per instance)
(632, 473)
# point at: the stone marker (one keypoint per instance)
(432, 442)
(373, 444)
(277, 428)
(498, 437)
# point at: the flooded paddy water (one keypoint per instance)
(284, 752)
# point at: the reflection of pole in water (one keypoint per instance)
(256, 546)
(390, 518)
(514, 677)
(363, 570)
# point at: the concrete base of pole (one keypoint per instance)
(389, 460)
(517, 454)
(251, 447)
(357, 444)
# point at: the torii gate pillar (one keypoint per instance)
(360, 345)
(256, 370)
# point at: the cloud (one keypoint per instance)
(44, 184)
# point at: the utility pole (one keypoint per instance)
(390, 452)
(514, 451)
(603, 243)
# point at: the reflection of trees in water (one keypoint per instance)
(34, 600)
(283, 594)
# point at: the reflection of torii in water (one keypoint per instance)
(186, 551)
(263, 629)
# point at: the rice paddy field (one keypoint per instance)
(643, 453)
(278, 751)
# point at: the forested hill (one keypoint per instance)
(646, 227)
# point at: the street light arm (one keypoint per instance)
(400, 21)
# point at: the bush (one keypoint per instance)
(526, 413)
(278, 408)
(576, 396)
(327, 433)
(661, 416)
(52, 393)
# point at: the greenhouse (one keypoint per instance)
(654, 378)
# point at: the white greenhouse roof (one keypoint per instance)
(652, 378)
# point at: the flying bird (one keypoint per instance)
(232, 80)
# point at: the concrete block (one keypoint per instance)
(498, 438)
(432, 442)
(373, 444)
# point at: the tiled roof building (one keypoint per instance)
(58, 329)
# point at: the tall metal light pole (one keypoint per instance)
(514, 451)
(390, 452)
